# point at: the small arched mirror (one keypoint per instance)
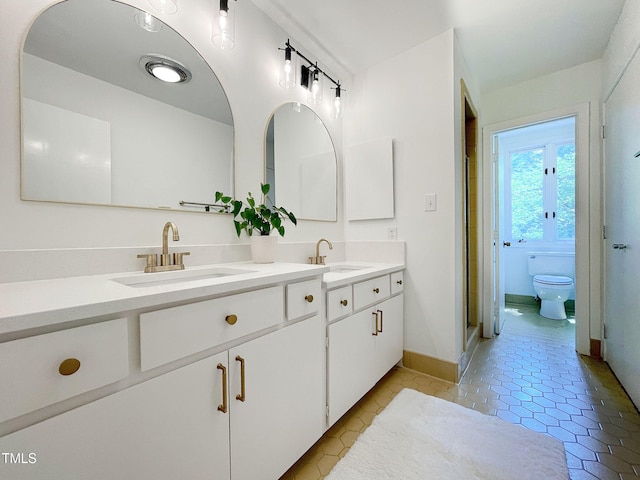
(99, 128)
(301, 163)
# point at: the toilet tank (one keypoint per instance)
(552, 263)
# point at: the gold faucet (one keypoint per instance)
(319, 260)
(167, 261)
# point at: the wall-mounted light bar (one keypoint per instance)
(311, 78)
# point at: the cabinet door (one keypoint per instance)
(167, 427)
(282, 412)
(351, 364)
(389, 342)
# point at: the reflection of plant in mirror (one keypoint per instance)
(257, 217)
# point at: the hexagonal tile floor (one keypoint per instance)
(529, 375)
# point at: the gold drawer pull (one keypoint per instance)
(344, 302)
(223, 406)
(399, 282)
(231, 319)
(241, 396)
(309, 298)
(69, 366)
(376, 290)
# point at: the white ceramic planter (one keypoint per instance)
(263, 248)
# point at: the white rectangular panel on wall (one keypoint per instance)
(67, 155)
(369, 180)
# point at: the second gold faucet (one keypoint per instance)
(318, 259)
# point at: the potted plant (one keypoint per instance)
(258, 221)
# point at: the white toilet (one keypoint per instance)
(553, 274)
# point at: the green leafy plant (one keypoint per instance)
(251, 216)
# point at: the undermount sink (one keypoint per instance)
(346, 268)
(178, 276)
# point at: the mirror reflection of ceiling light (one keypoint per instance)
(168, 7)
(165, 69)
(147, 21)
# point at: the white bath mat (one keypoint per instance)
(420, 437)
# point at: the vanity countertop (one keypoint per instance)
(345, 273)
(43, 303)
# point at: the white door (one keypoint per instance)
(389, 342)
(622, 220)
(282, 414)
(497, 289)
(351, 350)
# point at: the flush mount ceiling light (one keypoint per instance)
(168, 7)
(311, 77)
(165, 69)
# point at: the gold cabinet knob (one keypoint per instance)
(231, 319)
(399, 282)
(69, 366)
(309, 298)
(344, 302)
(376, 290)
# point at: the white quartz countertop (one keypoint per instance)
(345, 273)
(42, 303)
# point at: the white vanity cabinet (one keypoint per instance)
(362, 347)
(167, 427)
(241, 403)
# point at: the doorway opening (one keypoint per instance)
(587, 282)
(536, 208)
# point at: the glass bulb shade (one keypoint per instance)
(223, 29)
(168, 7)
(288, 71)
(148, 22)
(314, 96)
(338, 108)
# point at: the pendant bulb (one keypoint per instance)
(314, 96)
(223, 26)
(288, 69)
(338, 104)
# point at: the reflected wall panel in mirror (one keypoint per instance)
(301, 163)
(99, 129)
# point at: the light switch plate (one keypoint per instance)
(430, 202)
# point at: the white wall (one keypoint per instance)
(414, 98)
(249, 75)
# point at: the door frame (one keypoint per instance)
(583, 219)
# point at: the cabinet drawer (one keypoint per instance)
(339, 303)
(397, 282)
(370, 292)
(173, 333)
(303, 298)
(30, 367)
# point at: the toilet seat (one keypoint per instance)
(552, 280)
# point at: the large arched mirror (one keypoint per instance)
(301, 163)
(99, 128)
